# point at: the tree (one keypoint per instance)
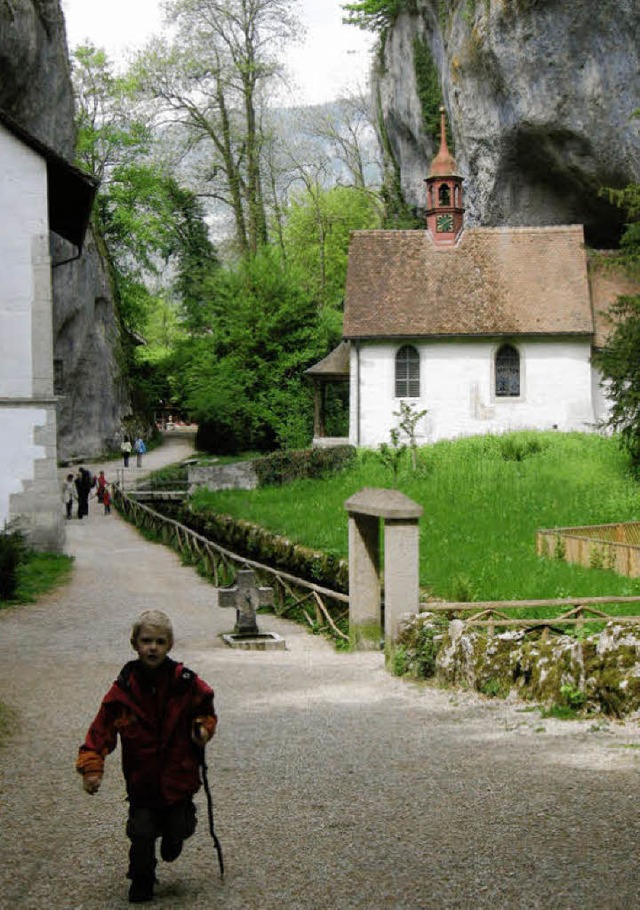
(108, 134)
(151, 229)
(213, 80)
(374, 15)
(242, 379)
(347, 128)
(316, 235)
(619, 360)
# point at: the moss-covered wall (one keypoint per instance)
(598, 673)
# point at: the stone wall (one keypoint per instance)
(240, 475)
(598, 673)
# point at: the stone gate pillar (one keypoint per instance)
(401, 563)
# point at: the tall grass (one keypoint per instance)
(483, 499)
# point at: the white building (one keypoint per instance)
(39, 192)
(487, 329)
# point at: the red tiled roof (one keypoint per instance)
(494, 281)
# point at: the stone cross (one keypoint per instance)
(246, 596)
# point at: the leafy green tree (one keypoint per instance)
(619, 360)
(242, 378)
(108, 133)
(316, 235)
(374, 15)
(151, 229)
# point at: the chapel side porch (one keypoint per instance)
(331, 371)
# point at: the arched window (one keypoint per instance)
(507, 372)
(407, 372)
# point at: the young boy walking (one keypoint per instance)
(164, 715)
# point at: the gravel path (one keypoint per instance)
(337, 787)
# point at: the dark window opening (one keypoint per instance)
(407, 372)
(444, 195)
(507, 372)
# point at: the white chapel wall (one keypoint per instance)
(29, 492)
(457, 389)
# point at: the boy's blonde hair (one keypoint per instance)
(154, 618)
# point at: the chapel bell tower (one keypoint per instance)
(445, 212)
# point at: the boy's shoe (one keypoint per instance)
(141, 890)
(170, 849)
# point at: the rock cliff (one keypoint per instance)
(36, 90)
(539, 95)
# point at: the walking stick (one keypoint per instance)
(205, 782)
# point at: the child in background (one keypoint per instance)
(106, 500)
(101, 484)
(164, 716)
(69, 494)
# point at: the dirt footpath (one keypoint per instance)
(337, 787)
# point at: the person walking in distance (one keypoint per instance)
(140, 448)
(125, 448)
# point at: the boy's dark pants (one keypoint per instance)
(173, 823)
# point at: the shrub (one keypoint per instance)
(12, 552)
(283, 467)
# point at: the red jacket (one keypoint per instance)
(154, 715)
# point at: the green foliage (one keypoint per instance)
(517, 447)
(417, 648)
(375, 15)
(36, 574)
(316, 237)
(570, 703)
(392, 456)
(262, 545)
(429, 88)
(618, 361)
(242, 379)
(495, 687)
(283, 467)
(12, 553)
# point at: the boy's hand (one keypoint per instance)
(200, 734)
(91, 782)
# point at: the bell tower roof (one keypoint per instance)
(443, 165)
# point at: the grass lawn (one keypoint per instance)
(483, 499)
(38, 574)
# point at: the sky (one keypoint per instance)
(332, 58)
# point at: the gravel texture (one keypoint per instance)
(337, 786)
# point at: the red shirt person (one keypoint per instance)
(164, 716)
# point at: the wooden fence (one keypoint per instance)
(610, 546)
(323, 607)
(574, 611)
(320, 606)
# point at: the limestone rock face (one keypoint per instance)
(35, 90)
(539, 95)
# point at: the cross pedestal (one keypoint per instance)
(246, 596)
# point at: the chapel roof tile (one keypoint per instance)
(494, 281)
